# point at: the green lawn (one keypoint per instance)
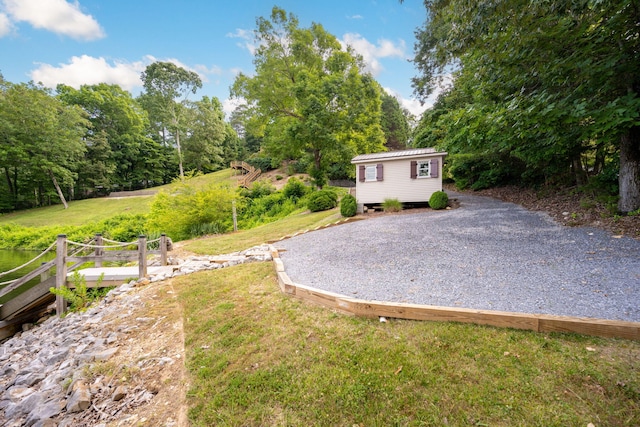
(259, 358)
(94, 210)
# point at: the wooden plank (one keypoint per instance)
(502, 319)
(324, 298)
(115, 256)
(442, 314)
(286, 285)
(27, 277)
(279, 266)
(27, 299)
(587, 326)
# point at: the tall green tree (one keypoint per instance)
(40, 143)
(203, 146)
(167, 88)
(552, 83)
(308, 96)
(394, 123)
(117, 137)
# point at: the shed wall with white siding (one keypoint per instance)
(410, 176)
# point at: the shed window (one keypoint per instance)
(424, 169)
(370, 172)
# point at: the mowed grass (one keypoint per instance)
(85, 211)
(257, 357)
(244, 239)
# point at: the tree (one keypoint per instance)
(550, 83)
(117, 135)
(167, 88)
(40, 142)
(308, 96)
(203, 150)
(394, 123)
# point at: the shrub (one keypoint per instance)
(261, 188)
(263, 163)
(478, 171)
(81, 297)
(438, 200)
(322, 200)
(181, 214)
(391, 205)
(348, 206)
(294, 189)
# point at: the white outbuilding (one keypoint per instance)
(410, 176)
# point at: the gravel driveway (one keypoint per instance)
(486, 254)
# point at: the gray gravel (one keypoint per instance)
(486, 254)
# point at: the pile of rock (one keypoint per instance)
(43, 369)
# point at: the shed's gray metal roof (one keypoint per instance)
(415, 152)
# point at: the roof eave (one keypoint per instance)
(355, 160)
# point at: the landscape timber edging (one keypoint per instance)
(503, 319)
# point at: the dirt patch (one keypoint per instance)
(149, 364)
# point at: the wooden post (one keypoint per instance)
(61, 271)
(163, 249)
(235, 215)
(142, 256)
(99, 251)
(45, 275)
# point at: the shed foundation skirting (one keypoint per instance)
(533, 322)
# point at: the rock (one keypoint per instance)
(43, 413)
(119, 393)
(80, 398)
(42, 366)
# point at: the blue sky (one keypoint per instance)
(90, 41)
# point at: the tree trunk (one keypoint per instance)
(58, 189)
(13, 191)
(179, 155)
(629, 176)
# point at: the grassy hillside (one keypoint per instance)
(93, 210)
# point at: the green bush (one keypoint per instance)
(180, 214)
(123, 228)
(391, 205)
(438, 200)
(348, 206)
(81, 297)
(261, 188)
(263, 163)
(322, 200)
(479, 171)
(294, 189)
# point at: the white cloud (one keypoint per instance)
(355, 17)
(204, 70)
(413, 105)
(371, 53)
(247, 39)
(230, 104)
(57, 16)
(5, 25)
(89, 70)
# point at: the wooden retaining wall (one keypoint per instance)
(503, 319)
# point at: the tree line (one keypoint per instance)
(537, 92)
(533, 93)
(309, 103)
(76, 143)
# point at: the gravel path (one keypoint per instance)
(486, 254)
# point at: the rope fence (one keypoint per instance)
(13, 270)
